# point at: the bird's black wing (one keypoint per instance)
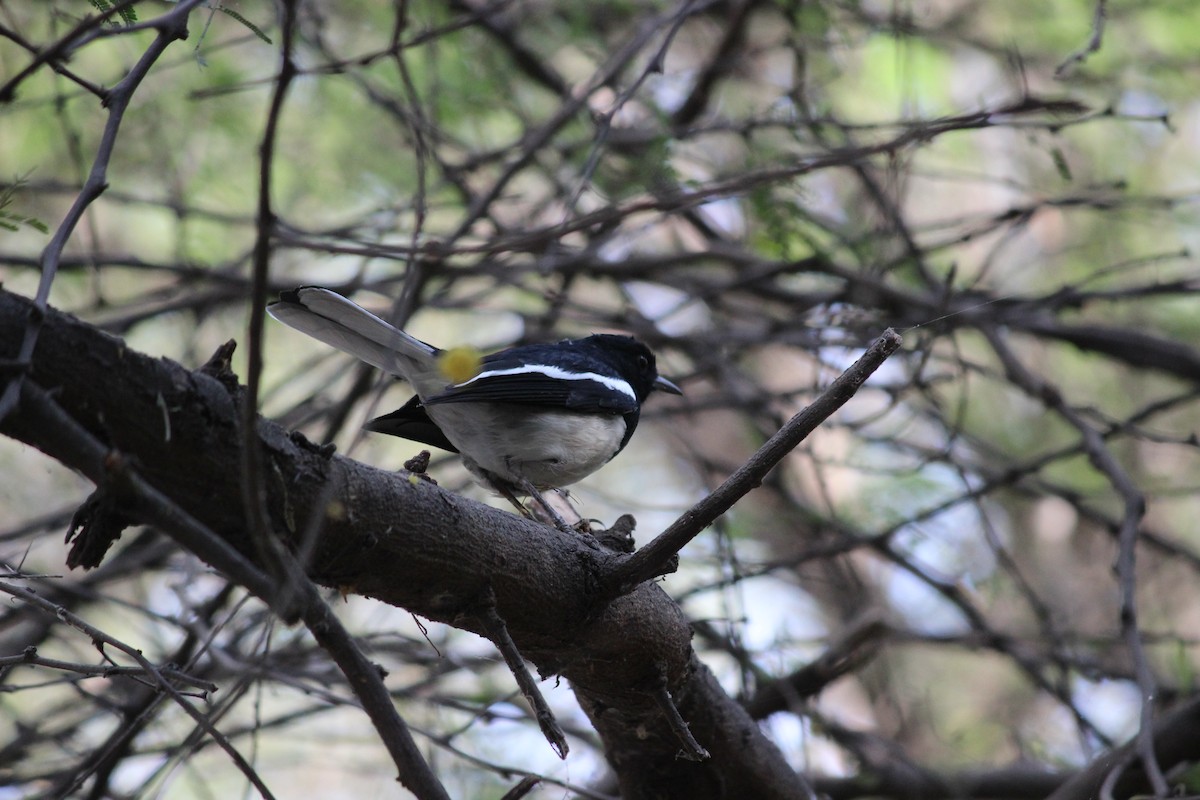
(514, 377)
(411, 422)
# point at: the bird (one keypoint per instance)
(529, 418)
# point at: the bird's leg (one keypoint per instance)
(533, 492)
(502, 489)
(505, 488)
(508, 487)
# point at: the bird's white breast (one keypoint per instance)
(548, 449)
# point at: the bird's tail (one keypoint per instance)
(336, 321)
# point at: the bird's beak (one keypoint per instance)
(664, 385)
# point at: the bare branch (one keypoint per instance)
(648, 562)
(100, 638)
(692, 749)
(497, 633)
(1135, 508)
(1099, 18)
(170, 26)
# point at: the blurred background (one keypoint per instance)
(757, 190)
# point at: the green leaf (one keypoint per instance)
(127, 14)
(257, 31)
(1060, 163)
(10, 220)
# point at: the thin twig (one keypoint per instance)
(649, 561)
(692, 750)
(170, 26)
(31, 658)
(536, 138)
(497, 633)
(527, 785)
(61, 50)
(1134, 509)
(100, 638)
(1099, 18)
(855, 646)
(254, 488)
(366, 681)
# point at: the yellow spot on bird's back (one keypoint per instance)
(460, 364)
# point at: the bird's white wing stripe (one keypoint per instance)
(616, 384)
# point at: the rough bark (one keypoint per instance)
(411, 544)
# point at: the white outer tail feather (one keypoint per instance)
(338, 322)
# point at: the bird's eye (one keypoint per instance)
(643, 363)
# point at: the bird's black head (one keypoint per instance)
(630, 360)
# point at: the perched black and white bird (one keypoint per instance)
(537, 416)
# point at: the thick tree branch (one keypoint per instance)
(68, 441)
(411, 544)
